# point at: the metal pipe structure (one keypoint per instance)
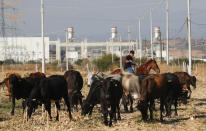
(189, 40)
(42, 34)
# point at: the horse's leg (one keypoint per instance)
(151, 108)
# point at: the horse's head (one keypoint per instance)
(154, 66)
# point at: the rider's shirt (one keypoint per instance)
(129, 64)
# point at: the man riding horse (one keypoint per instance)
(129, 62)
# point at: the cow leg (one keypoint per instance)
(124, 103)
(58, 108)
(190, 92)
(151, 107)
(80, 101)
(105, 113)
(66, 100)
(161, 108)
(168, 109)
(23, 105)
(112, 113)
(118, 111)
(13, 105)
(48, 108)
(90, 112)
(131, 104)
(175, 104)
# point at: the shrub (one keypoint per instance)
(105, 62)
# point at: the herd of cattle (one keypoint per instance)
(107, 90)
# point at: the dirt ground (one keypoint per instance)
(190, 117)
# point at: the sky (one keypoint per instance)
(92, 19)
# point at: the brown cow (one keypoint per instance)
(6, 82)
(164, 86)
(37, 75)
(74, 85)
(186, 80)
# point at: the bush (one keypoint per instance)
(9, 61)
(33, 62)
(79, 62)
(105, 62)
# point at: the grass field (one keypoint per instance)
(191, 116)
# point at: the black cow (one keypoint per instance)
(21, 88)
(51, 88)
(74, 86)
(106, 92)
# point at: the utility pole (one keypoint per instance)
(160, 46)
(66, 54)
(189, 40)
(42, 35)
(140, 41)
(129, 32)
(151, 33)
(167, 30)
(120, 56)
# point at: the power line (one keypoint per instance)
(180, 30)
(198, 23)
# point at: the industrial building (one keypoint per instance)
(23, 48)
(30, 48)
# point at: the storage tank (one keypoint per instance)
(156, 32)
(70, 34)
(114, 33)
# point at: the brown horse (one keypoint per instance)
(143, 69)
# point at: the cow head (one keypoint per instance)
(14, 82)
(184, 96)
(193, 81)
(32, 105)
(89, 78)
(86, 107)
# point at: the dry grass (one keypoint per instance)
(191, 116)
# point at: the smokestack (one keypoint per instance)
(114, 34)
(70, 34)
(156, 33)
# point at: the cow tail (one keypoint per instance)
(4, 81)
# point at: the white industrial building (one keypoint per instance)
(23, 48)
